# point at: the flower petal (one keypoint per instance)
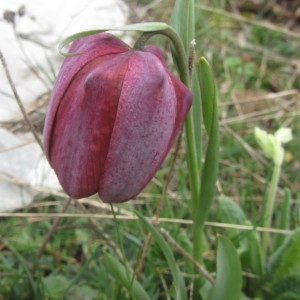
(84, 122)
(143, 129)
(92, 46)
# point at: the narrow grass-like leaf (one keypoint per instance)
(80, 273)
(183, 21)
(211, 163)
(287, 288)
(144, 27)
(36, 290)
(196, 110)
(229, 274)
(208, 94)
(205, 191)
(252, 258)
(284, 219)
(180, 288)
(286, 260)
(117, 270)
(284, 269)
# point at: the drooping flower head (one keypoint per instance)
(113, 115)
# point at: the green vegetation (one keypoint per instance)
(255, 60)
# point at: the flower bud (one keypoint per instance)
(271, 144)
(113, 115)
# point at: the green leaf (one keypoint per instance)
(118, 271)
(230, 212)
(211, 163)
(247, 241)
(83, 292)
(286, 260)
(284, 269)
(183, 21)
(34, 284)
(181, 293)
(284, 219)
(208, 93)
(55, 286)
(197, 118)
(144, 27)
(252, 258)
(286, 288)
(229, 274)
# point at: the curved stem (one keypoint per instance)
(142, 40)
(181, 57)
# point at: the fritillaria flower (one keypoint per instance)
(113, 115)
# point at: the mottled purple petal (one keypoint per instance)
(84, 123)
(91, 47)
(113, 116)
(143, 128)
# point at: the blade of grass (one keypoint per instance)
(253, 257)
(285, 261)
(36, 291)
(180, 288)
(283, 268)
(118, 271)
(284, 218)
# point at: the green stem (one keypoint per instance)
(192, 163)
(269, 208)
(125, 262)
